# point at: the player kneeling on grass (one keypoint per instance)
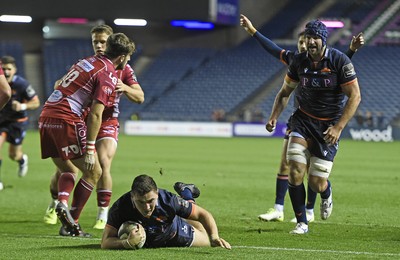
(169, 220)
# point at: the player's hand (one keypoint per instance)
(90, 159)
(136, 235)
(332, 135)
(271, 124)
(220, 242)
(247, 25)
(357, 42)
(15, 105)
(120, 87)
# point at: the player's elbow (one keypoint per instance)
(140, 100)
(6, 93)
(5, 96)
(140, 96)
(357, 99)
(35, 103)
(103, 245)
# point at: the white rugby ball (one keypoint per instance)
(126, 228)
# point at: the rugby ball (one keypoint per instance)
(126, 228)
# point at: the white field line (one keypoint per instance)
(337, 223)
(317, 251)
(239, 247)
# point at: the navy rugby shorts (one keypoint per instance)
(312, 130)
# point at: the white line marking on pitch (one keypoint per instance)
(244, 247)
(339, 223)
(317, 251)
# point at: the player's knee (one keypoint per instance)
(284, 168)
(93, 176)
(296, 175)
(105, 163)
(297, 152)
(97, 174)
(320, 168)
(13, 156)
(317, 184)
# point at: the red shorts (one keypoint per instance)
(63, 139)
(109, 129)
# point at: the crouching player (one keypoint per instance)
(169, 220)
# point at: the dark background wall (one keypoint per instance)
(154, 10)
(158, 34)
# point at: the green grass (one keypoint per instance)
(237, 181)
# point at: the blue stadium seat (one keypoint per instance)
(168, 69)
(14, 49)
(224, 81)
(59, 55)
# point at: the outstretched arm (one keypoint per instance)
(356, 43)
(266, 43)
(247, 25)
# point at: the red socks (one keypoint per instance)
(66, 184)
(81, 195)
(103, 198)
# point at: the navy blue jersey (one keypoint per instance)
(22, 92)
(163, 223)
(286, 56)
(320, 94)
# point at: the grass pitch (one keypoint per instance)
(236, 177)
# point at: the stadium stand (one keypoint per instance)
(286, 19)
(220, 83)
(360, 19)
(170, 67)
(390, 35)
(190, 83)
(14, 48)
(59, 55)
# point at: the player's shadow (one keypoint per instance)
(88, 246)
(19, 221)
(264, 230)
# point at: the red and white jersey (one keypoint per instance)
(128, 77)
(92, 78)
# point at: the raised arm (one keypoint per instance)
(356, 43)
(266, 43)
